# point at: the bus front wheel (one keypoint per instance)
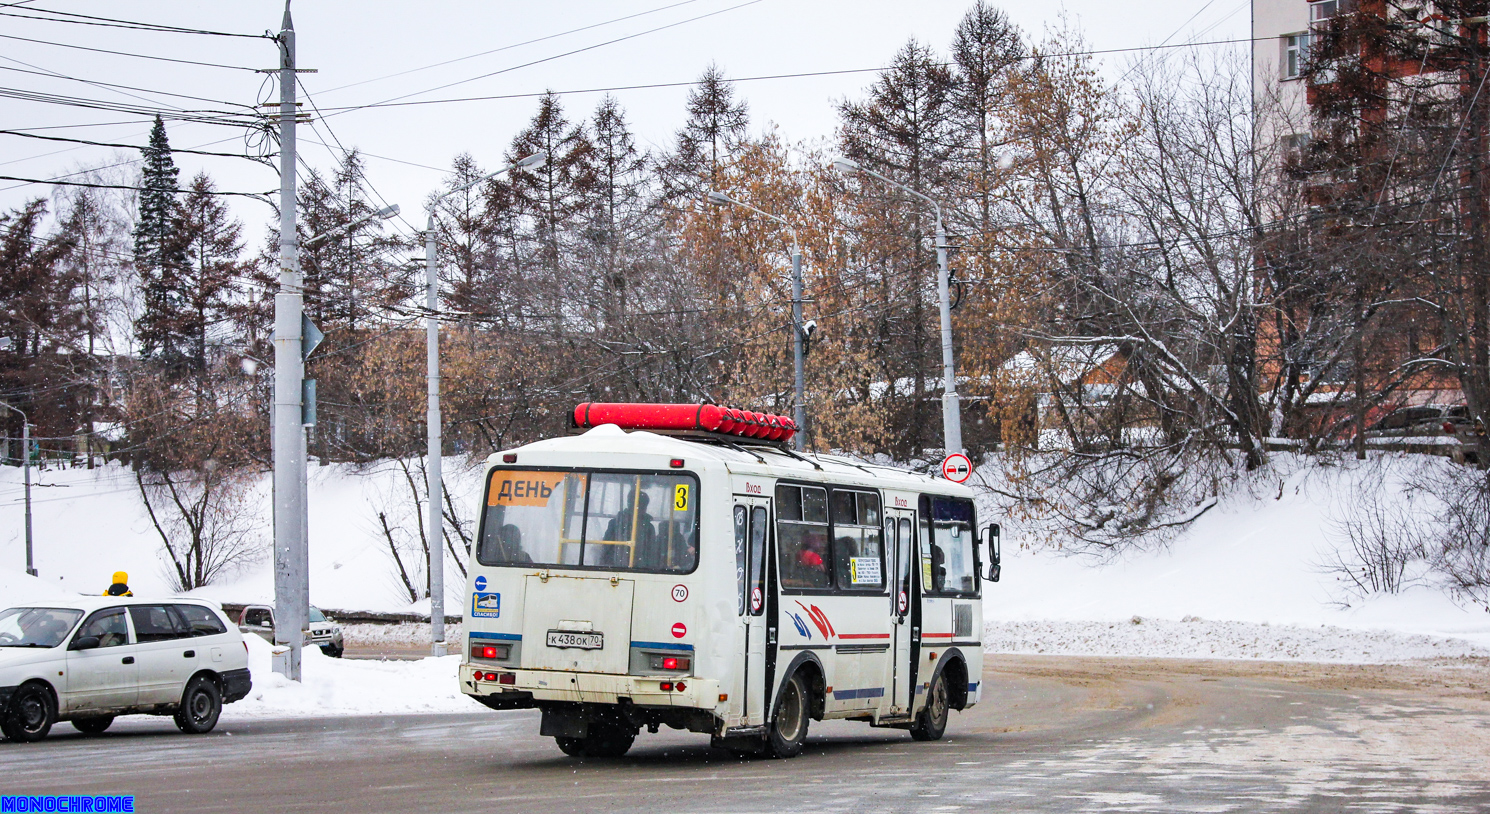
(789, 726)
(932, 721)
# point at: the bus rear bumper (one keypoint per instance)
(594, 688)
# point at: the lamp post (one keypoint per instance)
(951, 410)
(26, 465)
(799, 409)
(436, 483)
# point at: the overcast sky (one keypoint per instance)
(357, 47)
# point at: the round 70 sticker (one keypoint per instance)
(680, 593)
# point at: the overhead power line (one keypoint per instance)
(255, 195)
(512, 46)
(109, 22)
(56, 75)
(128, 54)
(561, 56)
(125, 146)
(332, 110)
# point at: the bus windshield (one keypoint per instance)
(611, 520)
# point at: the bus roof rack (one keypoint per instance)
(707, 423)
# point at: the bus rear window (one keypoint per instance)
(611, 520)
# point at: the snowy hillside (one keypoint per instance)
(1259, 559)
(1248, 568)
(89, 524)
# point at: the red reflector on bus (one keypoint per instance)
(507, 678)
(676, 463)
(666, 686)
(509, 458)
(681, 686)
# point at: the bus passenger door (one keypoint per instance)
(899, 542)
(752, 523)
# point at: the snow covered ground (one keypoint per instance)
(1256, 568)
(349, 687)
(1247, 581)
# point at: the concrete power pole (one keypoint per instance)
(436, 483)
(289, 370)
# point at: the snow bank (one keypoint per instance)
(1258, 558)
(349, 687)
(20, 588)
(1201, 639)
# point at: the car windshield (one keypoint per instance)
(316, 616)
(36, 627)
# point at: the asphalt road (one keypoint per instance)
(1054, 734)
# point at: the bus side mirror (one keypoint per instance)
(995, 551)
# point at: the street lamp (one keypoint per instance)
(436, 486)
(799, 410)
(26, 458)
(951, 411)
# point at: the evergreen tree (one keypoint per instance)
(159, 256)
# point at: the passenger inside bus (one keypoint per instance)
(619, 529)
(510, 542)
(812, 566)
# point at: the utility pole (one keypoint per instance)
(799, 332)
(290, 556)
(951, 406)
(435, 483)
(26, 465)
(799, 351)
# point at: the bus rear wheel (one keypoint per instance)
(932, 721)
(789, 726)
(605, 739)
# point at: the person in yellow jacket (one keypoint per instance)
(120, 586)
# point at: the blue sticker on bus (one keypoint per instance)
(486, 605)
(481, 583)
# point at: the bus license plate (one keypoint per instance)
(569, 638)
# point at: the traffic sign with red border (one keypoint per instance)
(957, 468)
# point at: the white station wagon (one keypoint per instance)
(89, 659)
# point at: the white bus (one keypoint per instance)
(719, 583)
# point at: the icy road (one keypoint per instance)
(1056, 734)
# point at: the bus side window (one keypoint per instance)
(741, 534)
(759, 527)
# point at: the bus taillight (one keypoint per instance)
(491, 652)
(670, 663)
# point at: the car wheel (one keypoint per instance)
(31, 714)
(200, 706)
(789, 725)
(335, 650)
(932, 721)
(93, 725)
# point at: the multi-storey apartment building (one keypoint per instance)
(1379, 373)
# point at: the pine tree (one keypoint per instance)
(159, 256)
